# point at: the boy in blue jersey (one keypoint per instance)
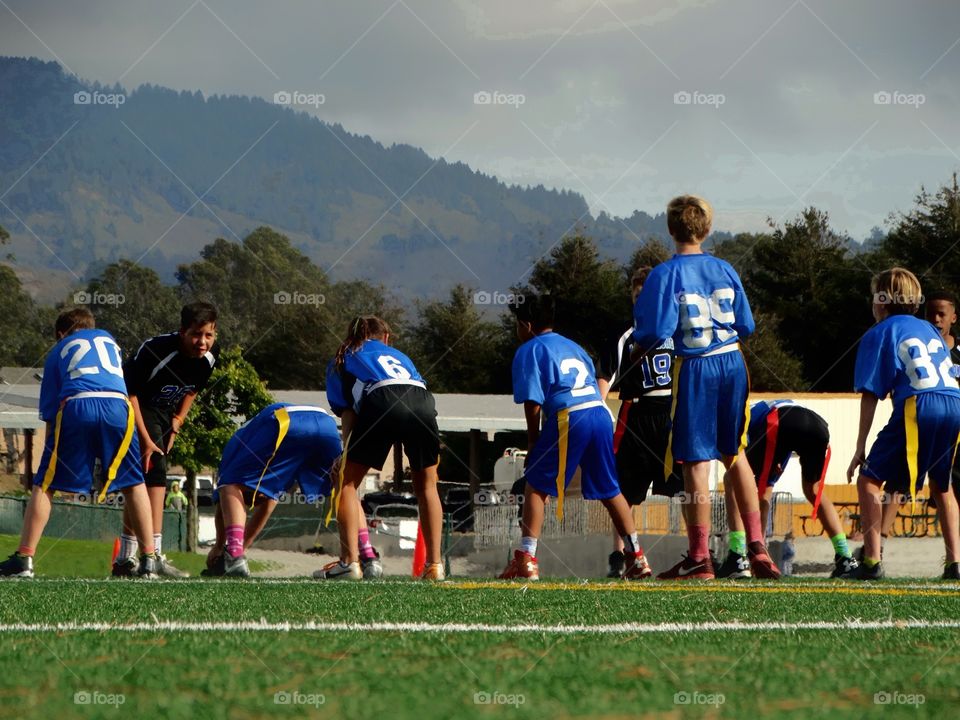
(84, 402)
(699, 301)
(905, 357)
(381, 399)
(568, 426)
(778, 429)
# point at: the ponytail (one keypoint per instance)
(361, 329)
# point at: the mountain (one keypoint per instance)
(153, 175)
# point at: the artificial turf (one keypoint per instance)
(444, 673)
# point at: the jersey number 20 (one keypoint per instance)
(105, 348)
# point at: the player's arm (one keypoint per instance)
(656, 314)
(743, 323)
(604, 386)
(177, 421)
(147, 446)
(868, 408)
(531, 411)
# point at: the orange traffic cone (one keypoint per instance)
(419, 553)
(116, 550)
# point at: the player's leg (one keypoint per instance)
(870, 495)
(748, 502)
(431, 511)
(35, 518)
(234, 521)
(947, 513)
(262, 510)
(136, 498)
(735, 565)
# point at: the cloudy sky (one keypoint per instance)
(763, 106)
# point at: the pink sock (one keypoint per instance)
(697, 537)
(751, 522)
(25, 551)
(366, 549)
(235, 540)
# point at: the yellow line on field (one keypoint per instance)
(693, 588)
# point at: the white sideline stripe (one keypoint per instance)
(614, 629)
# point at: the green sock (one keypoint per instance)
(840, 546)
(870, 562)
(738, 541)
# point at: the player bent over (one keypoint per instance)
(555, 377)
(905, 357)
(778, 429)
(84, 401)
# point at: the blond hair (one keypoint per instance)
(689, 218)
(898, 289)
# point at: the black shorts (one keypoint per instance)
(640, 442)
(799, 431)
(396, 413)
(159, 426)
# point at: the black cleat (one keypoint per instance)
(17, 565)
(735, 567)
(844, 567)
(615, 563)
(950, 572)
(864, 572)
(125, 568)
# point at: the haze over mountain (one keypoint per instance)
(153, 175)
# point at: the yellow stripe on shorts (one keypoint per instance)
(913, 446)
(337, 490)
(52, 467)
(668, 458)
(121, 453)
(283, 418)
(563, 429)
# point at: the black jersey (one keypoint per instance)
(650, 377)
(160, 375)
(955, 356)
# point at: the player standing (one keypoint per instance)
(84, 402)
(163, 379)
(905, 357)
(568, 425)
(699, 301)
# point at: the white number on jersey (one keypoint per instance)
(105, 348)
(580, 387)
(698, 315)
(393, 367)
(918, 364)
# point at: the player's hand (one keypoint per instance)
(335, 468)
(213, 555)
(147, 448)
(176, 423)
(858, 459)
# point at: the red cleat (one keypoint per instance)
(689, 569)
(760, 563)
(522, 567)
(636, 567)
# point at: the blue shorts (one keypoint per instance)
(305, 454)
(91, 428)
(710, 407)
(937, 427)
(588, 444)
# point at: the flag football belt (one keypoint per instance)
(721, 350)
(396, 381)
(563, 430)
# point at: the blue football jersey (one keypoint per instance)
(83, 361)
(372, 363)
(905, 356)
(554, 372)
(698, 300)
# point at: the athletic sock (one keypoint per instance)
(24, 551)
(529, 545)
(840, 546)
(751, 521)
(738, 541)
(235, 540)
(870, 562)
(631, 544)
(366, 549)
(157, 543)
(128, 548)
(698, 538)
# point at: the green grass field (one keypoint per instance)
(173, 664)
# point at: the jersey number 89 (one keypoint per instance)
(698, 315)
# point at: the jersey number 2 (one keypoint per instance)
(580, 387)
